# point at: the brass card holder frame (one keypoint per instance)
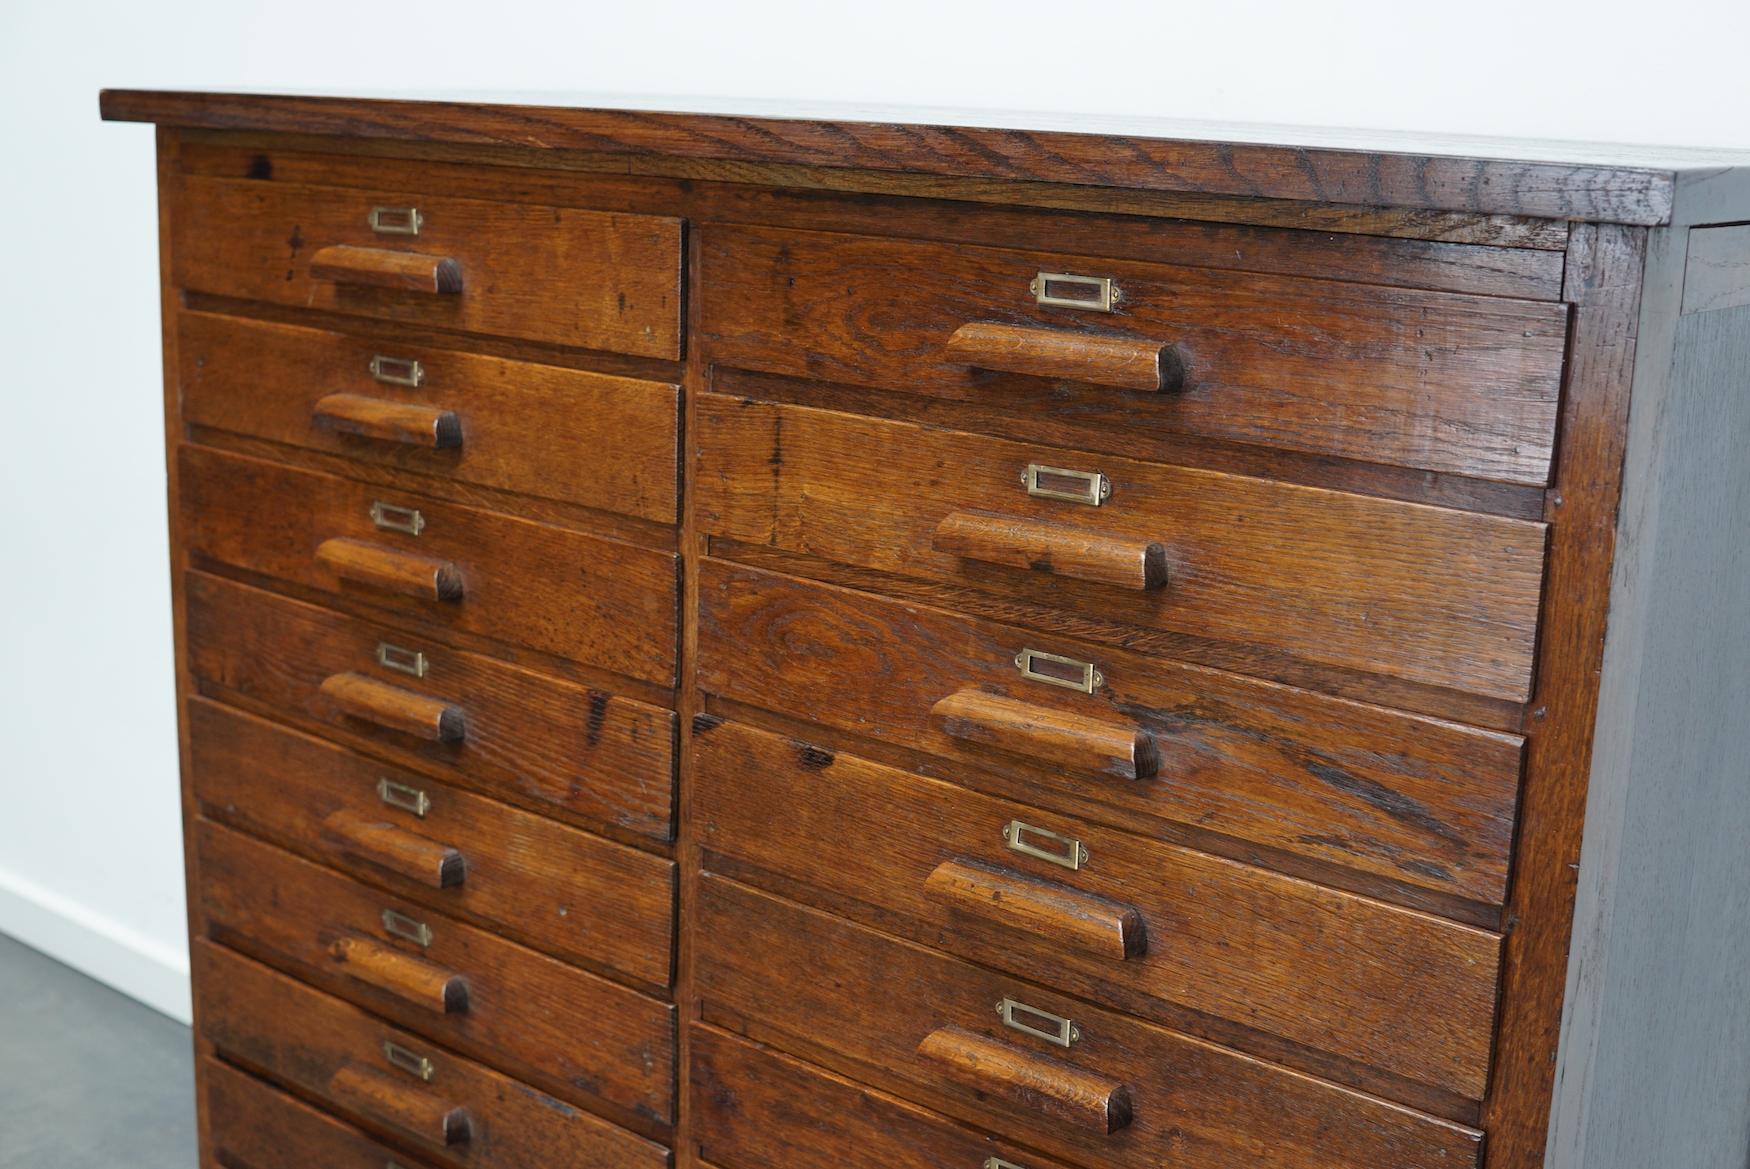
(403, 796)
(1095, 294)
(402, 661)
(1056, 670)
(399, 925)
(408, 1061)
(1046, 845)
(393, 518)
(1089, 488)
(397, 371)
(1054, 1029)
(395, 220)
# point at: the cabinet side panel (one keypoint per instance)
(1655, 1061)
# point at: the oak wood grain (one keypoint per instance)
(380, 841)
(1128, 363)
(1014, 900)
(261, 241)
(391, 570)
(388, 421)
(587, 755)
(1060, 549)
(517, 424)
(395, 708)
(387, 268)
(1419, 801)
(1431, 381)
(1056, 1091)
(1046, 736)
(262, 1127)
(382, 1098)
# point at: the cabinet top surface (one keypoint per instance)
(1563, 180)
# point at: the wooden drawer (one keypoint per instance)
(1407, 807)
(758, 1109)
(585, 899)
(389, 1081)
(1431, 380)
(598, 601)
(1439, 597)
(556, 274)
(457, 985)
(481, 421)
(585, 754)
(1125, 1093)
(253, 1126)
(1199, 943)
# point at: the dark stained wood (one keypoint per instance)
(1128, 363)
(261, 1127)
(519, 1009)
(759, 1109)
(310, 1040)
(519, 424)
(272, 241)
(1429, 595)
(410, 979)
(574, 595)
(590, 756)
(1060, 549)
(388, 421)
(1015, 900)
(529, 878)
(379, 841)
(386, 268)
(1046, 736)
(1605, 272)
(1058, 1092)
(383, 1098)
(1417, 801)
(1562, 191)
(1431, 381)
(825, 989)
(1276, 966)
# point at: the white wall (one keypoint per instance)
(90, 863)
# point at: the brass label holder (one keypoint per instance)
(399, 925)
(408, 1061)
(1095, 294)
(1045, 845)
(1056, 670)
(404, 661)
(1089, 488)
(403, 796)
(395, 220)
(392, 518)
(397, 371)
(1054, 1029)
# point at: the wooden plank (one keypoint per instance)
(1369, 177)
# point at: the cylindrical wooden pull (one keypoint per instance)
(362, 696)
(1037, 1083)
(392, 847)
(1126, 362)
(1054, 548)
(1045, 735)
(387, 268)
(1057, 912)
(395, 1102)
(391, 570)
(414, 980)
(404, 422)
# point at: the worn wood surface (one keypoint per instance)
(307, 1040)
(531, 878)
(385, 420)
(578, 596)
(1011, 726)
(380, 841)
(1054, 1091)
(262, 241)
(1281, 967)
(261, 1127)
(1716, 274)
(1063, 550)
(1419, 802)
(1432, 381)
(1127, 363)
(387, 268)
(1427, 594)
(1620, 193)
(861, 1002)
(1100, 925)
(521, 1008)
(592, 757)
(519, 424)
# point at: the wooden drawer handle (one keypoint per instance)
(387, 268)
(1061, 914)
(403, 422)
(1047, 736)
(391, 570)
(394, 708)
(392, 847)
(1125, 362)
(1053, 548)
(1035, 1082)
(411, 979)
(391, 1101)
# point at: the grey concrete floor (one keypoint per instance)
(89, 1079)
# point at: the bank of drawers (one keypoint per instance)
(432, 624)
(1013, 857)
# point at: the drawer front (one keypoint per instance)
(484, 421)
(593, 600)
(1423, 804)
(585, 754)
(1156, 929)
(1440, 597)
(1123, 1093)
(460, 986)
(253, 1126)
(473, 266)
(758, 1109)
(387, 1080)
(547, 885)
(1434, 381)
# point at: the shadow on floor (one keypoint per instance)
(89, 1078)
